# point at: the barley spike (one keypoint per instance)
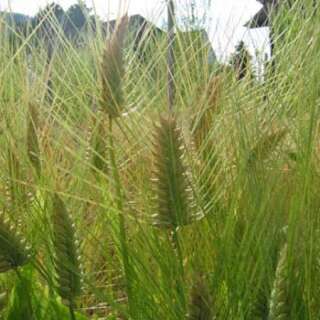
(170, 176)
(279, 295)
(112, 71)
(14, 252)
(67, 264)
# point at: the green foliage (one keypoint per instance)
(245, 153)
(21, 305)
(28, 300)
(267, 144)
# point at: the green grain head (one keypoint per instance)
(66, 248)
(279, 295)
(99, 137)
(112, 71)
(14, 252)
(171, 183)
(33, 148)
(201, 302)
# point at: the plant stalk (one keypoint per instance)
(171, 58)
(119, 204)
(71, 311)
(181, 274)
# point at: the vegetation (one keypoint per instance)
(115, 207)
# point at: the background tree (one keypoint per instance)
(50, 18)
(51, 14)
(195, 13)
(77, 19)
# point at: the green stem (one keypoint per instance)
(20, 277)
(71, 311)
(171, 57)
(119, 204)
(181, 274)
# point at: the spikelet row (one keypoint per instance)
(171, 183)
(99, 138)
(33, 148)
(279, 294)
(12, 187)
(14, 252)
(201, 304)
(67, 258)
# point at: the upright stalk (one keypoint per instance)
(179, 282)
(272, 50)
(119, 205)
(49, 91)
(29, 303)
(171, 58)
(71, 311)
(171, 101)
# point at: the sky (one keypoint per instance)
(225, 17)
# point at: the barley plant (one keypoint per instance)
(144, 178)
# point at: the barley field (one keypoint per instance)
(117, 204)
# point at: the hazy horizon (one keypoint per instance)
(226, 17)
